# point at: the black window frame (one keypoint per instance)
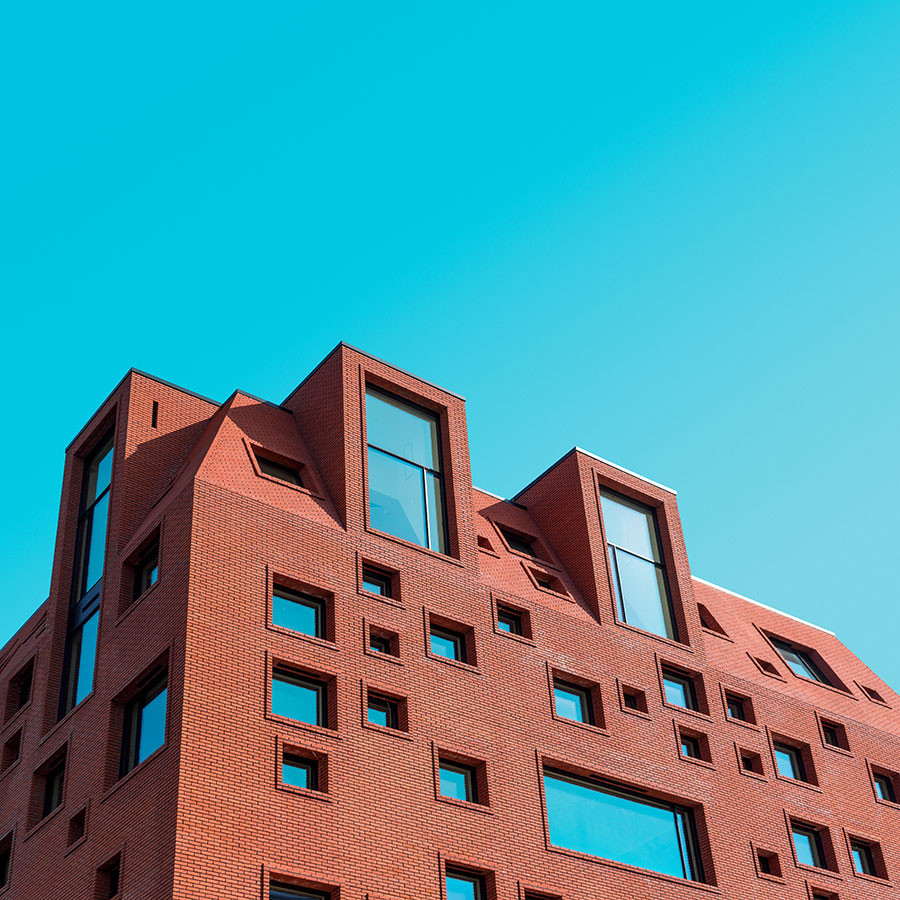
(584, 694)
(388, 705)
(307, 763)
(470, 776)
(866, 852)
(299, 678)
(381, 643)
(6, 858)
(520, 543)
(146, 563)
(278, 470)
(280, 890)
(795, 754)
(831, 735)
(805, 655)
(694, 743)
(688, 682)
(458, 638)
(53, 786)
(732, 701)
(817, 845)
(303, 598)
(512, 618)
(884, 786)
(133, 715)
(475, 878)
(376, 576)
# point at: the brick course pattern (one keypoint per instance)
(208, 816)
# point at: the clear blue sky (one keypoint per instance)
(667, 233)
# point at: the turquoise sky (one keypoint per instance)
(667, 233)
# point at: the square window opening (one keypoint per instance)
(300, 696)
(12, 750)
(377, 581)
(302, 612)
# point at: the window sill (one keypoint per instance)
(817, 871)
(73, 847)
(384, 657)
(721, 637)
(324, 643)
(48, 818)
(891, 803)
(807, 785)
(18, 715)
(751, 774)
(695, 713)
(289, 486)
(521, 638)
(391, 732)
(58, 726)
(417, 547)
(136, 602)
(585, 726)
(381, 598)
(873, 879)
(842, 750)
(669, 642)
(126, 778)
(15, 765)
(308, 793)
(465, 804)
(456, 663)
(705, 763)
(775, 879)
(743, 723)
(303, 726)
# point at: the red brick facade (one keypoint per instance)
(206, 816)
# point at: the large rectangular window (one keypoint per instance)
(613, 823)
(298, 611)
(81, 641)
(299, 697)
(406, 483)
(800, 661)
(145, 722)
(638, 571)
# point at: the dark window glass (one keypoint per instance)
(572, 702)
(114, 877)
(21, 686)
(288, 892)
(518, 542)
(638, 572)
(863, 858)
(750, 762)
(300, 612)
(831, 735)
(808, 846)
(145, 722)
(383, 711)
(53, 786)
(789, 761)
(458, 781)
(680, 690)
(298, 697)
(765, 863)
(449, 644)
(736, 709)
(82, 654)
(146, 571)
(884, 787)
(509, 620)
(690, 747)
(800, 662)
(406, 488)
(376, 582)
(5, 859)
(279, 471)
(380, 644)
(464, 886)
(590, 817)
(630, 701)
(299, 771)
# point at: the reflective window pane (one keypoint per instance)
(98, 472)
(153, 725)
(808, 846)
(299, 612)
(641, 593)
(679, 690)
(447, 644)
(299, 772)
(434, 498)
(603, 822)
(456, 781)
(296, 698)
(463, 887)
(84, 653)
(403, 430)
(788, 761)
(396, 498)
(800, 662)
(96, 547)
(863, 858)
(288, 892)
(630, 527)
(571, 703)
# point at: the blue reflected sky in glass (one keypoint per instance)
(295, 701)
(613, 827)
(434, 498)
(461, 888)
(379, 715)
(87, 654)
(402, 430)
(630, 528)
(396, 498)
(97, 547)
(153, 725)
(454, 783)
(444, 646)
(784, 759)
(643, 600)
(676, 692)
(568, 704)
(804, 844)
(295, 774)
(296, 614)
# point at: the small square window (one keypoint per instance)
(146, 569)
(298, 696)
(376, 581)
(279, 891)
(5, 859)
(830, 734)
(519, 542)
(872, 694)
(279, 470)
(634, 700)
(12, 750)
(572, 702)
(885, 785)
(680, 689)
(834, 735)
(751, 761)
(548, 582)
(145, 721)
(739, 708)
(690, 747)
(382, 641)
(458, 781)
(808, 845)
(299, 611)
(509, 620)
(460, 885)
(863, 856)
(768, 863)
(299, 771)
(448, 644)
(20, 687)
(789, 761)
(383, 711)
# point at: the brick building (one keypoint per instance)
(290, 651)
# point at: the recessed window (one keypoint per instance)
(709, 621)
(834, 735)
(766, 667)
(376, 581)
(614, 823)
(808, 845)
(299, 771)
(146, 569)
(548, 582)
(751, 761)
(20, 687)
(680, 689)
(863, 858)
(298, 611)
(799, 660)
(383, 711)
(872, 694)
(51, 779)
(298, 696)
(461, 885)
(634, 699)
(279, 470)
(109, 879)
(12, 750)
(77, 827)
(81, 651)
(738, 708)
(572, 702)
(458, 781)
(768, 863)
(447, 643)
(690, 747)
(885, 785)
(384, 642)
(636, 565)
(406, 482)
(289, 892)
(789, 761)
(519, 542)
(5, 859)
(510, 620)
(145, 722)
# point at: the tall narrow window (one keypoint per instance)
(638, 572)
(863, 858)
(145, 722)
(596, 818)
(406, 485)
(54, 778)
(5, 859)
(81, 642)
(146, 569)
